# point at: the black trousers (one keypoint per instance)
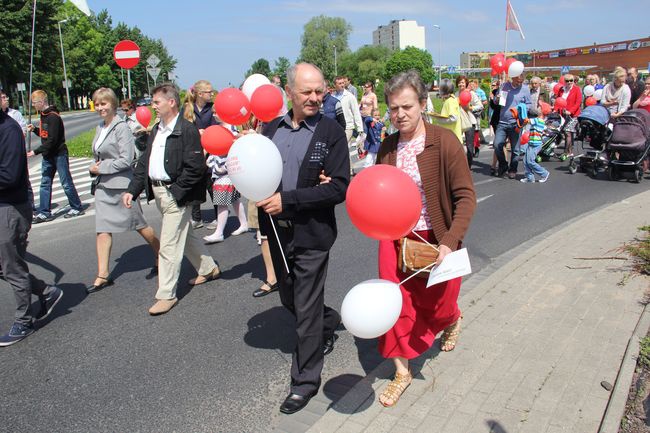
(15, 222)
(302, 292)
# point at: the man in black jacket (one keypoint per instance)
(55, 158)
(16, 217)
(303, 212)
(171, 170)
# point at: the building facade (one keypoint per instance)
(399, 34)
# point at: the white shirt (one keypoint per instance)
(15, 114)
(102, 136)
(157, 157)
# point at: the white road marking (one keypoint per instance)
(484, 198)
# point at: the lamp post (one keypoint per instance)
(336, 71)
(439, 53)
(65, 72)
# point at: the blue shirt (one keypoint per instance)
(481, 94)
(516, 96)
(292, 144)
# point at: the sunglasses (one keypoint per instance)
(568, 81)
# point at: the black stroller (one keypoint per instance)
(552, 138)
(594, 134)
(628, 145)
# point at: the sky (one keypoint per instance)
(219, 40)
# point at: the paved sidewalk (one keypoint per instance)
(539, 336)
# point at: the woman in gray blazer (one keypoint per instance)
(114, 150)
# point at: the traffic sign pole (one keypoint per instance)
(128, 75)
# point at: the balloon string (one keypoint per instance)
(425, 241)
(284, 259)
(421, 270)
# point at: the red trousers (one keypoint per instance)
(425, 311)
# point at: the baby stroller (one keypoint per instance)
(594, 134)
(628, 145)
(552, 138)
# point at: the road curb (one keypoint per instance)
(615, 410)
(476, 287)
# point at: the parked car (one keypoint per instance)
(144, 101)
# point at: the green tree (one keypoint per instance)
(321, 34)
(260, 66)
(410, 58)
(365, 64)
(280, 68)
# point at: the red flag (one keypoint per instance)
(512, 23)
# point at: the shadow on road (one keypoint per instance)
(35, 260)
(272, 329)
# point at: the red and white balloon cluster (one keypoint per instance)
(500, 64)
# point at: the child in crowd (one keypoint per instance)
(223, 195)
(532, 148)
(375, 128)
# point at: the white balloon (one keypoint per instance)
(254, 165)
(598, 94)
(252, 83)
(515, 69)
(589, 90)
(371, 308)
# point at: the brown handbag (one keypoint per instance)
(414, 255)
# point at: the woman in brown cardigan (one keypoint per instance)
(434, 158)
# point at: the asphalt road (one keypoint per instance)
(74, 123)
(219, 361)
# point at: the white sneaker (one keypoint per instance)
(239, 231)
(545, 178)
(211, 225)
(212, 239)
(526, 180)
(197, 224)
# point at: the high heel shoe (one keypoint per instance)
(97, 287)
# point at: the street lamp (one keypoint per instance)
(439, 52)
(336, 72)
(65, 72)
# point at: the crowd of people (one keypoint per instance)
(296, 226)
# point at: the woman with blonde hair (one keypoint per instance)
(114, 149)
(198, 109)
(617, 94)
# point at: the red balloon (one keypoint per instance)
(525, 138)
(464, 98)
(498, 63)
(560, 104)
(217, 140)
(266, 102)
(546, 107)
(557, 88)
(232, 106)
(383, 202)
(143, 115)
(590, 101)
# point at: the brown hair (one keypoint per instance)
(169, 91)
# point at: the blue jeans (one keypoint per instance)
(49, 166)
(507, 130)
(531, 167)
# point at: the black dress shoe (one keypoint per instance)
(295, 402)
(261, 292)
(153, 272)
(97, 287)
(328, 344)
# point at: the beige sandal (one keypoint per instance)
(395, 389)
(450, 336)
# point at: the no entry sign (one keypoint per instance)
(126, 54)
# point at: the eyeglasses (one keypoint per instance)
(211, 92)
(568, 81)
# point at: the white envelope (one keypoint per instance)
(455, 264)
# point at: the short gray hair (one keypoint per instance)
(406, 79)
(169, 91)
(536, 79)
(293, 70)
(446, 87)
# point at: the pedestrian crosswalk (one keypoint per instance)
(81, 178)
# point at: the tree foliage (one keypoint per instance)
(280, 68)
(321, 34)
(410, 58)
(260, 66)
(365, 64)
(88, 44)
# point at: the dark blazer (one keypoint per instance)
(184, 163)
(311, 205)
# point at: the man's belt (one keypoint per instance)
(161, 182)
(285, 224)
